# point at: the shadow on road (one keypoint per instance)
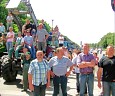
(17, 82)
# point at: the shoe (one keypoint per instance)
(24, 90)
(77, 94)
(101, 94)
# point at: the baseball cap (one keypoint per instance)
(27, 53)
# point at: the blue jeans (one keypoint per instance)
(9, 45)
(86, 79)
(60, 80)
(107, 87)
(39, 90)
(31, 50)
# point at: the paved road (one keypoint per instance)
(14, 88)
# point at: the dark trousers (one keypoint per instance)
(56, 82)
(0, 68)
(77, 82)
(39, 90)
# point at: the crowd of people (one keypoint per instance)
(46, 56)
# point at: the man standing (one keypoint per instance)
(41, 37)
(86, 63)
(60, 64)
(39, 74)
(9, 20)
(106, 71)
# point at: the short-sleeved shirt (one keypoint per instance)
(87, 58)
(10, 34)
(74, 60)
(41, 35)
(39, 71)
(28, 39)
(108, 65)
(61, 39)
(2, 29)
(19, 40)
(9, 18)
(29, 26)
(60, 65)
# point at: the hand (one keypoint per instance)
(31, 87)
(52, 74)
(68, 73)
(99, 85)
(48, 84)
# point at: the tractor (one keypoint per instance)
(8, 67)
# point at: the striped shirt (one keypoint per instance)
(39, 72)
(60, 66)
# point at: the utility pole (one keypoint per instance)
(52, 24)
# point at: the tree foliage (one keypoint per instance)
(106, 40)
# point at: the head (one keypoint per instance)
(28, 56)
(86, 48)
(60, 52)
(42, 21)
(110, 51)
(27, 21)
(9, 14)
(19, 34)
(1, 24)
(95, 53)
(39, 55)
(25, 50)
(40, 26)
(10, 29)
(56, 28)
(28, 32)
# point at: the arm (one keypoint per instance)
(90, 64)
(82, 65)
(8, 37)
(68, 73)
(47, 37)
(99, 75)
(31, 87)
(48, 78)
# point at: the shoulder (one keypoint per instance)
(34, 61)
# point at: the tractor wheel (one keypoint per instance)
(8, 72)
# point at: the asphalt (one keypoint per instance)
(15, 88)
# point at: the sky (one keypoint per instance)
(80, 20)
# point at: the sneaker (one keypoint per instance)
(77, 94)
(101, 94)
(24, 90)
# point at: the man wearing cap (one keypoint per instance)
(26, 64)
(41, 37)
(28, 41)
(39, 75)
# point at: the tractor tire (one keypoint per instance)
(8, 73)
